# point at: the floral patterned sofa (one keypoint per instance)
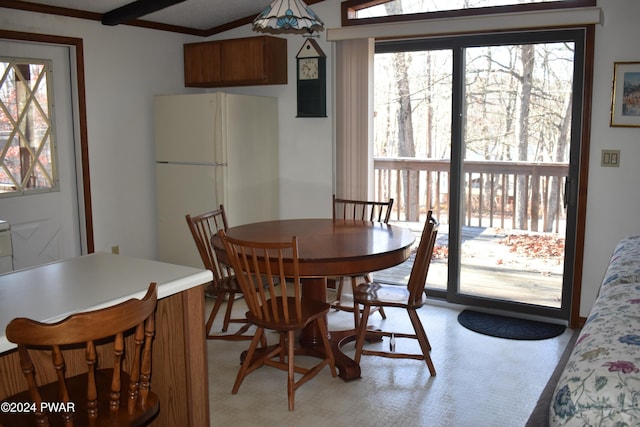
(600, 384)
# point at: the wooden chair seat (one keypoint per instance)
(259, 268)
(311, 310)
(378, 294)
(114, 391)
(410, 298)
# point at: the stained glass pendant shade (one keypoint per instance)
(288, 16)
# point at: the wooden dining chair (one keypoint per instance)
(364, 210)
(107, 393)
(411, 298)
(277, 308)
(224, 285)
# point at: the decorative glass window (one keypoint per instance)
(27, 151)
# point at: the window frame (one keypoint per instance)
(349, 8)
(52, 177)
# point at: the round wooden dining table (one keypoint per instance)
(330, 248)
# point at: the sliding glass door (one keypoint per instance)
(501, 176)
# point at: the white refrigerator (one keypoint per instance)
(211, 149)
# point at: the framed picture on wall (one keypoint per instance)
(625, 97)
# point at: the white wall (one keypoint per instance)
(613, 202)
(125, 66)
(306, 144)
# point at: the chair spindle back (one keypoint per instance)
(203, 227)
(259, 268)
(418, 276)
(364, 210)
(89, 329)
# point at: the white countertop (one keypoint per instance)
(51, 292)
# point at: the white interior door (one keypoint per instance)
(45, 226)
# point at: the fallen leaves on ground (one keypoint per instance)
(440, 252)
(538, 246)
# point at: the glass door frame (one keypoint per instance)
(577, 172)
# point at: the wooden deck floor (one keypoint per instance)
(490, 269)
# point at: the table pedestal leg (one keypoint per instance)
(311, 342)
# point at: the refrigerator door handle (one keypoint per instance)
(191, 163)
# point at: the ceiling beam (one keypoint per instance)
(135, 10)
(30, 6)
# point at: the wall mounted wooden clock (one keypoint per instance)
(312, 80)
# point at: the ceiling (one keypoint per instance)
(203, 17)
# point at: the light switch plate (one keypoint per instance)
(610, 158)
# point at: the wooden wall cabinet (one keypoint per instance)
(236, 62)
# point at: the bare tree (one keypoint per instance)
(527, 59)
(406, 145)
(517, 109)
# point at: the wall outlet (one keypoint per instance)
(115, 250)
(610, 158)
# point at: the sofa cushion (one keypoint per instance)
(624, 266)
(600, 384)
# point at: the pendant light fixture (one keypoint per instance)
(288, 16)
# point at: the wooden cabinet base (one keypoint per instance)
(179, 372)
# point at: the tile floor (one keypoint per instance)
(481, 381)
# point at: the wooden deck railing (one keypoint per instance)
(491, 191)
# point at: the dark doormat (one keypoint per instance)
(508, 327)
